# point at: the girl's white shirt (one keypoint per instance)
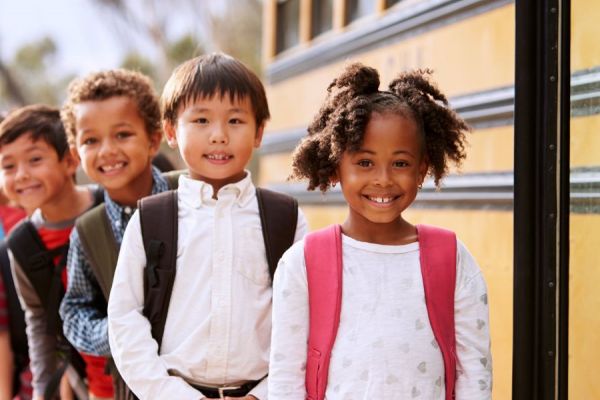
(385, 347)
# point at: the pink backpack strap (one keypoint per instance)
(437, 248)
(323, 258)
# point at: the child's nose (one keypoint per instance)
(218, 135)
(107, 147)
(382, 177)
(22, 172)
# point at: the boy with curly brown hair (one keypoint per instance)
(112, 121)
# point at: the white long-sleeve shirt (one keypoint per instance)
(218, 326)
(385, 347)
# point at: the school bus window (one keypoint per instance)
(322, 17)
(288, 24)
(356, 9)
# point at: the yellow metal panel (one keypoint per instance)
(585, 141)
(490, 150)
(471, 55)
(584, 303)
(489, 237)
(585, 31)
(275, 168)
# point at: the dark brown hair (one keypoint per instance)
(103, 85)
(207, 75)
(40, 122)
(352, 97)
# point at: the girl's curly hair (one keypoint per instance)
(103, 85)
(352, 97)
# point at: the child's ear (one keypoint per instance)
(259, 135)
(155, 138)
(74, 153)
(170, 134)
(423, 168)
(71, 160)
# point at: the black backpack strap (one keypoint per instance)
(16, 320)
(158, 221)
(37, 262)
(278, 217)
(99, 245)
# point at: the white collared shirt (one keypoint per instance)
(218, 326)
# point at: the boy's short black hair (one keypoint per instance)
(104, 85)
(40, 122)
(211, 74)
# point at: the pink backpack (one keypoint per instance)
(323, 257)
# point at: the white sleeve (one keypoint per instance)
(474, 366)
(132, 346)
(301, 226)
(290, 327)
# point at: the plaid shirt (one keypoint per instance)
(84, 323)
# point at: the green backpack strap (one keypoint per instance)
(98, 242)
(172, 177)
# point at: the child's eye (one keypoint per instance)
(201, 120)
(235, 121)
(123, 134)
(400, 164)
(364, 163)
(8, 167)
(35, 160)
(89, 141)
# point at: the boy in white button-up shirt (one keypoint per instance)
(217, 331)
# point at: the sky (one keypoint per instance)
(86, 38)
(84, 42)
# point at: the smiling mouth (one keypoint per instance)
(112, 167)
(218, 157)
(27, 189)
(381, 199)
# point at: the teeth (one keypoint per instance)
(381, 199)
(109, 168)
(217, 157)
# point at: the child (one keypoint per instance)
(379, 146)
(38, 174)
(112, 120)
(217, 331)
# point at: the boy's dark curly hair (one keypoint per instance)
(103, 85)
(352, 97)
(40, 122)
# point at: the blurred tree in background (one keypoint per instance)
(154, 36)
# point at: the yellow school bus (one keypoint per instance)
(474, 48)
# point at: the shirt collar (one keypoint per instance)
(115, 210)
(196, 193)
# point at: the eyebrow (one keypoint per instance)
(371, 152)
(231, 110)
(117, 125)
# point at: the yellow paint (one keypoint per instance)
(275, 168)
(490, 150)
(585, 30)
(489, 237)
(584, 303)
(471, 55)
(585, 141)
